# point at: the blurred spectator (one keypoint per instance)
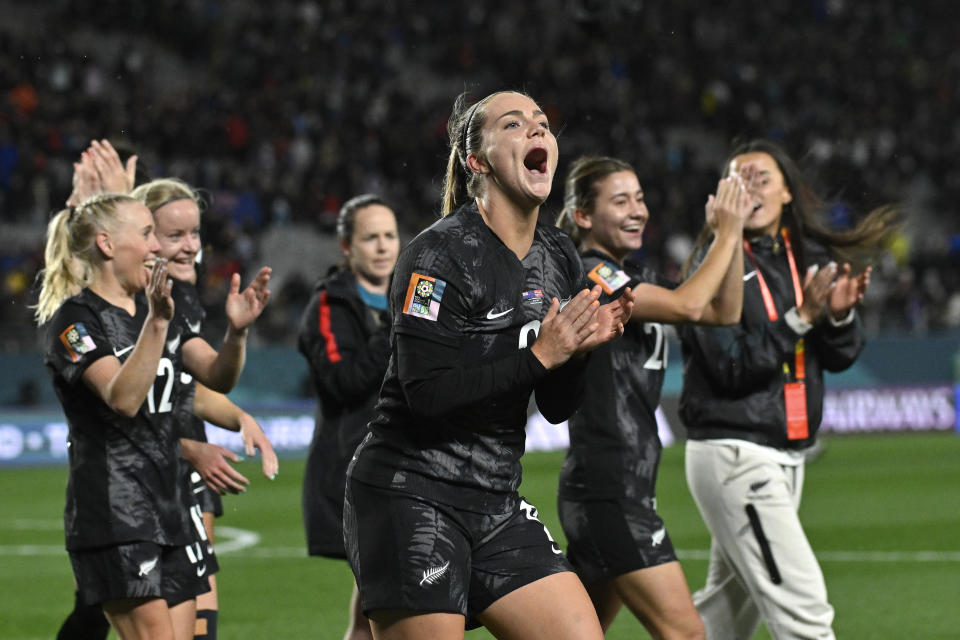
(282, 109)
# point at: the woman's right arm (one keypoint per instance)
(124, 387)
(739, 358)
(713, 294)
(435, 380)
(217, 409)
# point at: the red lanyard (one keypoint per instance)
(764, 289)
(772, 314)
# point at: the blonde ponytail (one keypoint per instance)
(60, 277)
(70, 253)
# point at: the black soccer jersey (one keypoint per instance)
(188, 318)
(189, 315)
(450, 421)
(123, 484)
(614, 447)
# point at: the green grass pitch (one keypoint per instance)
(881, 511)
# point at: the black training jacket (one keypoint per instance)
(347, 345)
(734, 376)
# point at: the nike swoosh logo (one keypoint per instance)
(202, 569)
(493, 316)
(120, 352)
(747, 276)
(194, 327)
(756, 486)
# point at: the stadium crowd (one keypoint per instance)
(282, 110)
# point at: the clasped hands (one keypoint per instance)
(583, 324)
(832, 288)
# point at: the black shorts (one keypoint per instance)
(608, 538)
(414, 554)
(139, 570)
(323, 520)
(208, 499)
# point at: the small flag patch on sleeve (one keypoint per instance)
(77, 340)
(608, 277)
(423, 297)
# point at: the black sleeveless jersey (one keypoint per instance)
(614, 447)
(123, 484)
(449, 424)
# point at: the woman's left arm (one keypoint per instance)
(727, 304)
(221, 370)
(561, 391)
(838, 337)
(219, 410)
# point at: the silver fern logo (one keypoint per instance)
(657, 538)
(147, 566)
(430, 576)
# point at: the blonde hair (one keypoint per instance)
(156, 193)
(465, 130)
(71, 250)
(581, 187)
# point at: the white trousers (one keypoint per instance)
(761, 564)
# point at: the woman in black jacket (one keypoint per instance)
(752, 401)
(345, 337)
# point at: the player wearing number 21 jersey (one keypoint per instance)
(607, 501)
(123, 484)
(615, 448)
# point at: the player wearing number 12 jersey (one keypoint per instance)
(123, 484)
(113, 358)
